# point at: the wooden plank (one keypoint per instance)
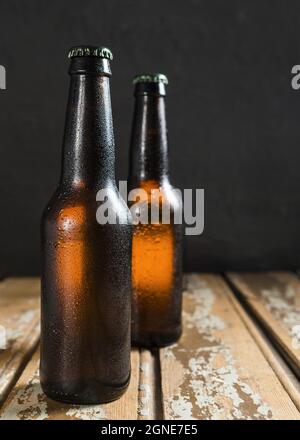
(288, 379)
(19, 321)
(149, 386)
(274, 298)
(28, 402)
(216, 370)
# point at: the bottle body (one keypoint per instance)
(86, 272)
(157, 245)
(157, 276)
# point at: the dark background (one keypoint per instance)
(233, 116)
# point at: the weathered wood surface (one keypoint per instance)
(28, 402)
(274, 298)
(19, 321)
(149, 386)
(288, 379)
(222, 368)
(217, 371)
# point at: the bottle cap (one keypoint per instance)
(90, 51)
(151, 78)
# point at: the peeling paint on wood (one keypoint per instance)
(288, 379)
(19, 316)
(149, 392)
(274, 297)
(28, 402)
(216, 371)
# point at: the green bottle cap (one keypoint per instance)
(148, 78)
(90, 51)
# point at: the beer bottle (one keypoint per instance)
(157, 246)
(86, 270)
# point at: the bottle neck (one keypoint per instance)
(149, 143)
(88, 146)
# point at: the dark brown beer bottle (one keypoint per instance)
(86, 274)
(156, 247)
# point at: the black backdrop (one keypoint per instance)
(233, 116)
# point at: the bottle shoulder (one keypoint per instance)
(70, 206)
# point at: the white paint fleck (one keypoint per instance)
(17, 324)
(93, 412)
(5, 378)
(181, 405)
(144, 400)
(144, 367)
(281, 303)
(29, 403)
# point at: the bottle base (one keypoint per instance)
(90, 395)
(156, 339)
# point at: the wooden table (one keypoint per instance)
(238, 358)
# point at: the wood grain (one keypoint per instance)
(222, 368)
(274, 298)
(28, 402)
(286, 376)
(19, 321)
(149, 386)
(217, 371)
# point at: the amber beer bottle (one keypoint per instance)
(86, 274)
(156, 247)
